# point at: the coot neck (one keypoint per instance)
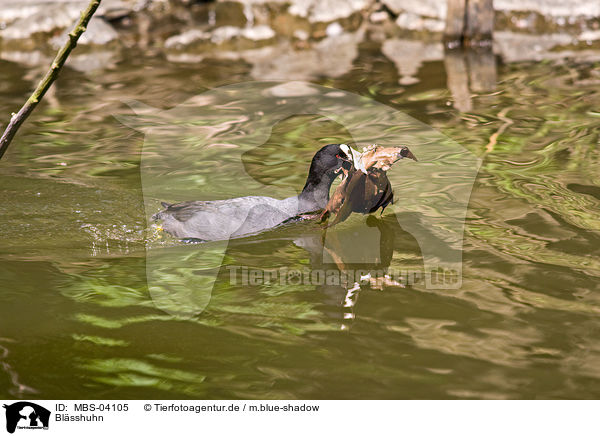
(315, 194)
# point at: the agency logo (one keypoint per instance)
(234, 141)
(26, 416)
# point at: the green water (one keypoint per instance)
(77, 319)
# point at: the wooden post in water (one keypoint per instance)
(469, 23)
(455, 23)
(469, 59)
(479, 23)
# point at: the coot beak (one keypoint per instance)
(345, 159)
(344, 168)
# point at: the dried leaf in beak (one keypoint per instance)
(366, 187)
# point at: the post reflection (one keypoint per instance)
(468, 71)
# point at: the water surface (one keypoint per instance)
(78, 321)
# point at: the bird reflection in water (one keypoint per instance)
(362, 252)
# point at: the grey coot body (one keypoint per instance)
(224, 219)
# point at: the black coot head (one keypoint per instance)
(331, 158)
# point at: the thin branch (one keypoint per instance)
(17, 119)
(494, 138)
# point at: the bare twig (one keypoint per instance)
(17, 119)
(494, 138)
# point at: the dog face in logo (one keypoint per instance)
(26, 413)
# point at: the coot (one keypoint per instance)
(224, 219)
